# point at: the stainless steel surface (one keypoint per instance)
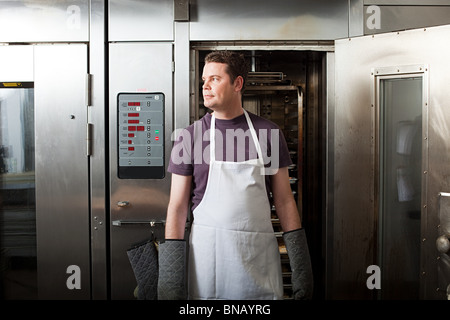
(44, 21)
(97, 159)
(182, 87)
(354, 191)
(140, 20)
(356, 18)
(62, 184)
(136, 67)
(216, 20)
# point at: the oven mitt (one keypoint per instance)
(144, 262)
(300, 262)
(172, 270)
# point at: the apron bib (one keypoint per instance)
(233, 250)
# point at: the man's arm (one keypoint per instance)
(172, 252)
(294, 236)
(177, 209)
(284, 201)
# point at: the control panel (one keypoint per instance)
(140, 135)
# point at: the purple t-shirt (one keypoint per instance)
(190, 153)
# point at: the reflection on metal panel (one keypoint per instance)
(136, 67)
(62, 199)
(272, 20)
(139, 20)
(37, 21)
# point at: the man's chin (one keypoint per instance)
(210, 107)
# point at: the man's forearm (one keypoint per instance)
(178, 207)
(288, 214)
(175, 223)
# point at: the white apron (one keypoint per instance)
(233, 250)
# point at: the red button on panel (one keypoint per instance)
(140, 128)
(130, 148)
(131, 135)
(132, 128)
(130, 141)
(133, 114)
(133, 121)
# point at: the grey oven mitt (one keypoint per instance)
(143, 258)
(300, 262)
(172, 270)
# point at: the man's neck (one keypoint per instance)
(229, 113)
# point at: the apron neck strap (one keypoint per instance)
(212, 138)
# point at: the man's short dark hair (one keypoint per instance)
(236, 64)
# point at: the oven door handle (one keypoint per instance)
(152, 223)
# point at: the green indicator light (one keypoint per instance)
(157, 131)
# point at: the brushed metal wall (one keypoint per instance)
(136, 67)
(214, 20)
(44, 21)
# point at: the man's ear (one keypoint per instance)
(238, 83)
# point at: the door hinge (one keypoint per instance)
(89, 138)
(88, 89)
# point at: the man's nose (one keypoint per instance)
(206, 85)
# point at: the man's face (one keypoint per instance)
(218, 91)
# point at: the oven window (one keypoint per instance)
(17, 186)
(400, 186)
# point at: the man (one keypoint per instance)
(233, 252)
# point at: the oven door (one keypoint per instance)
(391, 152)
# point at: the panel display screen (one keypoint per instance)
(140, 135)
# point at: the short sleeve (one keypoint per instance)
(180, 158)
